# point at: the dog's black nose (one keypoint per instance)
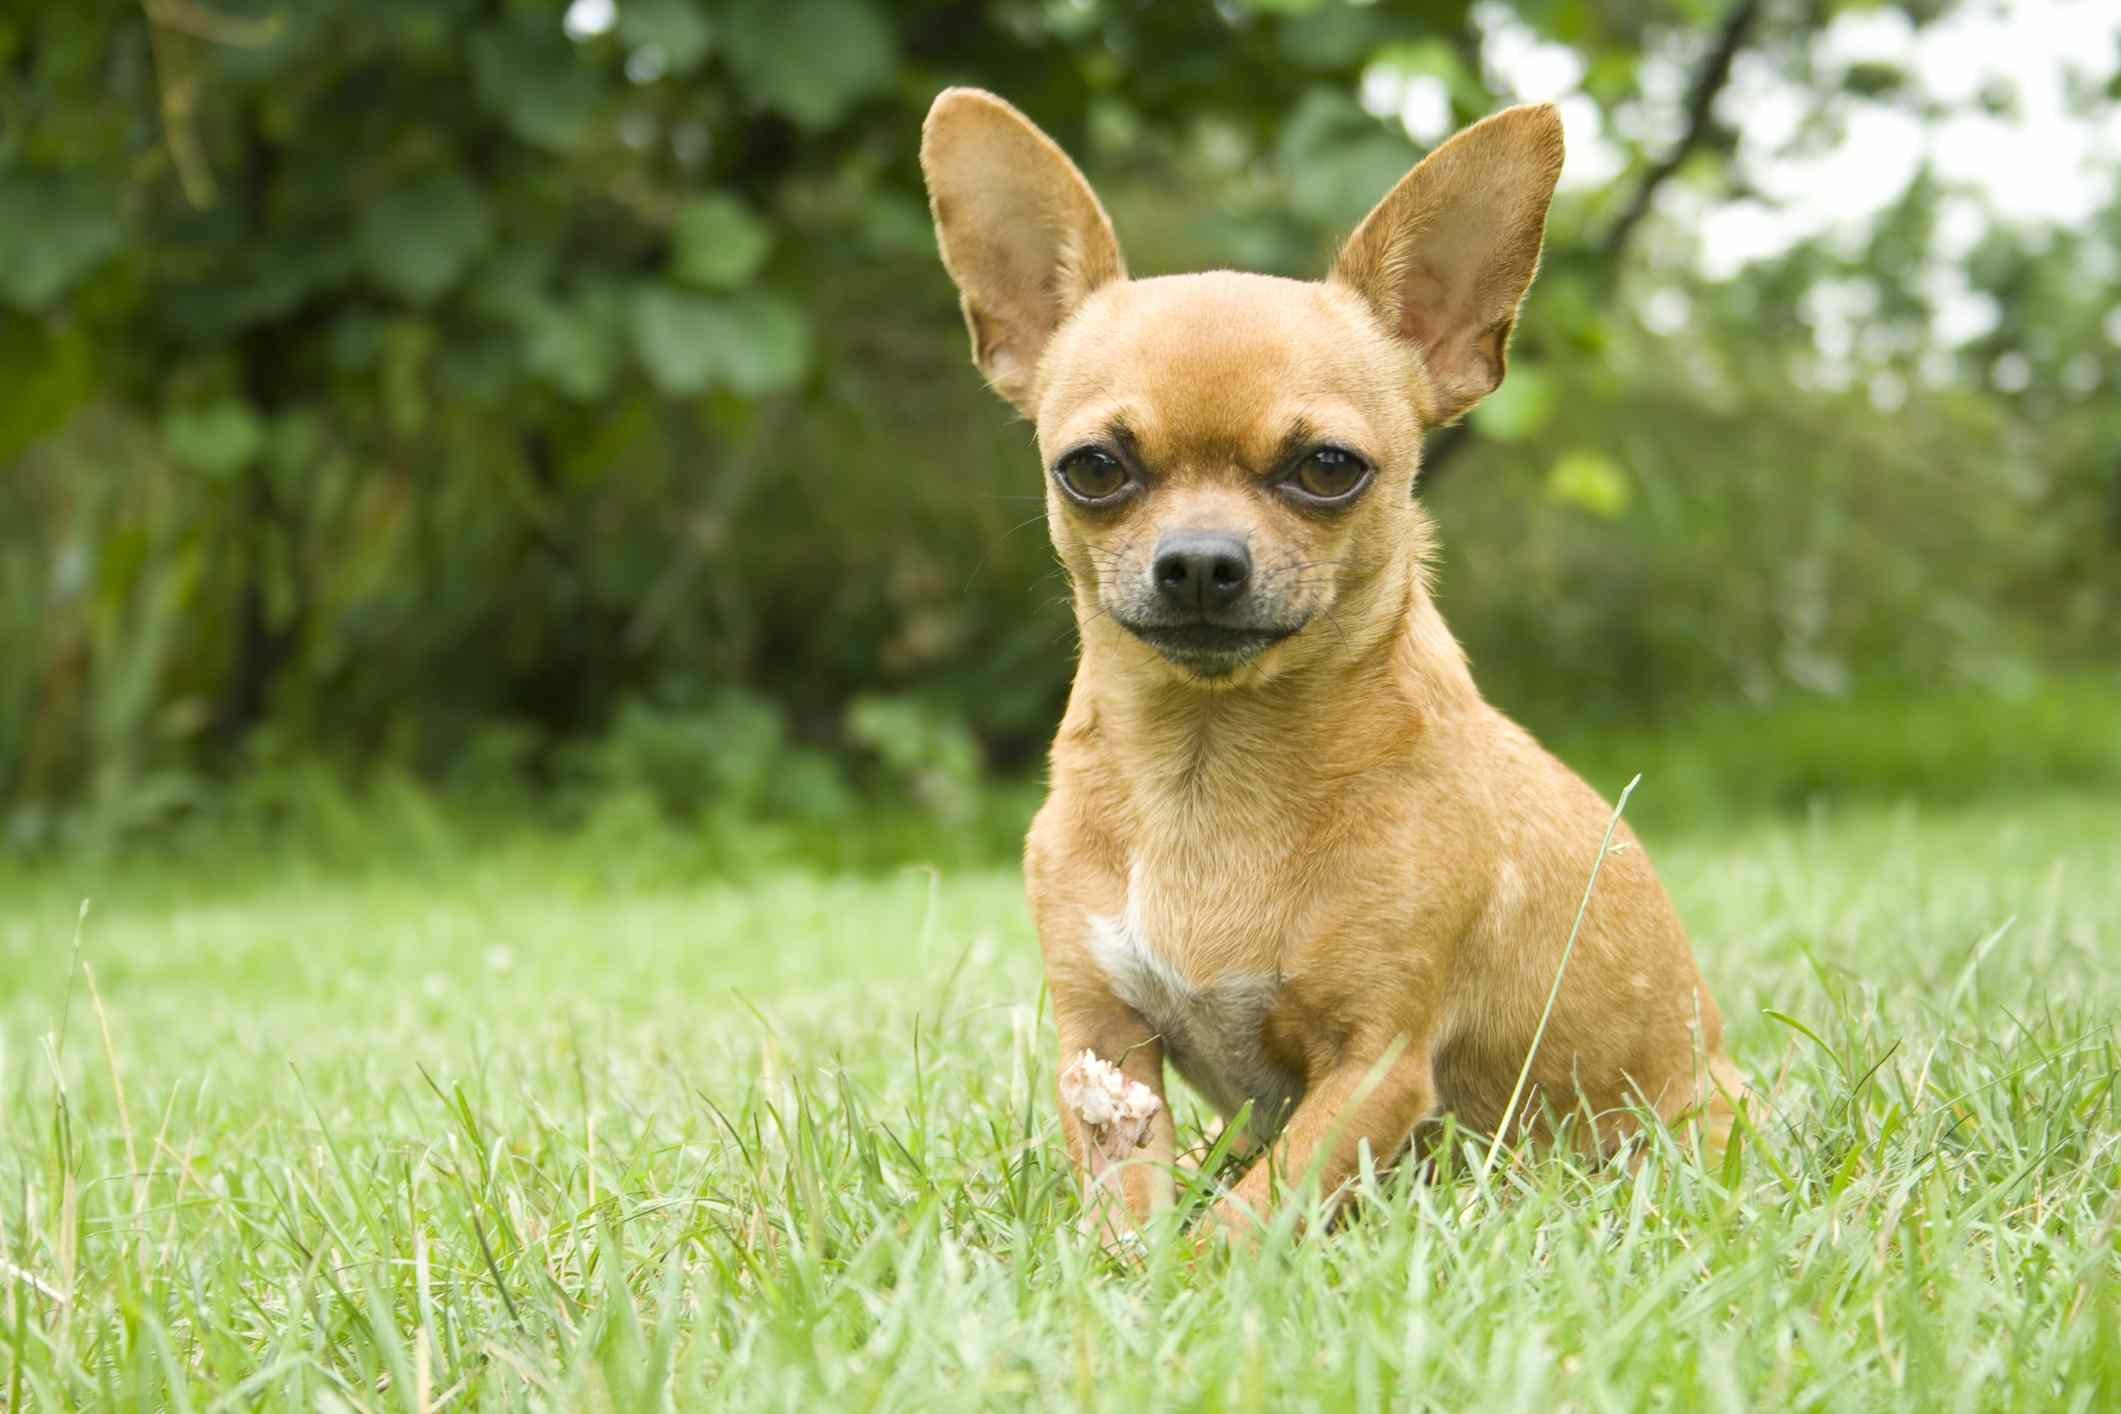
(1201, 569)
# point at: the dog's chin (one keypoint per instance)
(1217, 654)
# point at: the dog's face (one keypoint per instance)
(1226, 456)
(1230, 457)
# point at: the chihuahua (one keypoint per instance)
(1287, 847)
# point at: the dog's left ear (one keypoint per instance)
(1447, 256)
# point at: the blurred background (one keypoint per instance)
(423, 416)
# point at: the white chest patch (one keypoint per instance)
(1213, 1033)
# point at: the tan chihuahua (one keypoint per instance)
(1288, 847)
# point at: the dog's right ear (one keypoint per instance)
(1020, 230)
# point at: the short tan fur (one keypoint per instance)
(1288, 847)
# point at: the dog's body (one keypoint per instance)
(1288, 847)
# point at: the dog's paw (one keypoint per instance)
(1116, 1112)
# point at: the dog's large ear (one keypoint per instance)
(1446, 257)
(1020, 230)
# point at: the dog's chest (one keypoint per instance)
(1214, 1031)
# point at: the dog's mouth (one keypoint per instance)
(1207, 649)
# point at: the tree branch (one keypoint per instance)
(1709, 81)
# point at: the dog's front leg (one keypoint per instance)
(1378, 1094)
(1113, 1112)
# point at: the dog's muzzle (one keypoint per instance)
(1209, 650)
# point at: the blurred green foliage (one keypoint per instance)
(566, 398)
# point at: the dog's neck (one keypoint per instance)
(1375, 682)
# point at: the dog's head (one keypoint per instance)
(1230, 457)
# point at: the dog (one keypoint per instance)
(1287, 846)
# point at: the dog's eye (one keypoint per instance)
(1091, 475)
(1330, 474)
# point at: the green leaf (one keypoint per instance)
(355, 340)
(1342, 185)
(1590, 481)
(407, 355)
(718, 243)
(1612, 75)
(538, 85)
(1336, 160)
(1875, 80)
(1517, 409)
(295, 442)
(416, 241)
(572, 345)
(513, 278)
(897, 225)
(675, 28)
(811, 59)
(51, 374)
(269, 278)
(751, 344)
(674, 334)
(1330, 38)
(51, 234)
(767, 345)
(217, 440)
(1434, 58)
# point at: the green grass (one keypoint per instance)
(514, 1128)
(1725, 764)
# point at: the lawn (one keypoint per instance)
(499, 1128)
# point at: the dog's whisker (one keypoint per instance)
(988, 553)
